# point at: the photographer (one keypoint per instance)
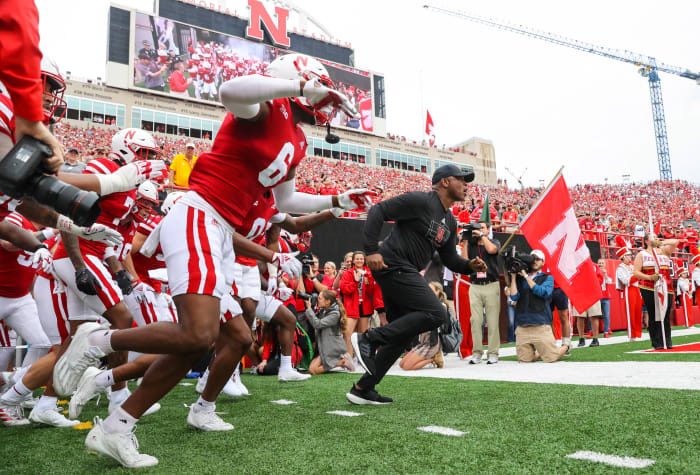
(329, 323)
(484, 293)
(532, 291)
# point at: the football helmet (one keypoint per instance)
(53, 86)
(298, 242)
(147, 202)
(133, 144)
(170, 201)
(299, 66)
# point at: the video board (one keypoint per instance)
(180, 60)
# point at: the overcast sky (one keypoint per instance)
(542, 105)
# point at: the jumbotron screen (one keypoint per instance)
(189, 62)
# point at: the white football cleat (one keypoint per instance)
(51, 417)
(122, 447)
(202, 382)
(78, 357)
(29, 401)
(231, 389)
(12, 415)
(241, 387)
(113, 406)
(7, 380)
(293, 375)
(207, 421)
(87, 389)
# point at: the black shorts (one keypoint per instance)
(559, 299)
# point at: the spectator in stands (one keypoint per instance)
(428, 348)
(178, 83)
(329, 273)
(691, 237)
(347, 264)
(150, 72)
(181, 167)
(330, 323)
(359, 290)
(73, 164)
(510, 219)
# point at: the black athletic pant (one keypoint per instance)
(411, 309)
(655, 328)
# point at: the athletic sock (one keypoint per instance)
(119, 396)
(102, 340)
(204, 406)
(16, 393)
(19, 374)
(46, 403)
(285, 363)
(119, 422)
(566, 341)
(105, 378)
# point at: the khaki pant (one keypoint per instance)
(531, 338)
(485, 297)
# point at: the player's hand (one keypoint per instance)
(133, 174)
(42, 259)
(86, 282)
(320, 96)
(337, 212)
(40, 132)
(287, 263)
(477, 265)
(284, 292)
(375, 262)
(123, 279)
(140, 289)
(358, 198)
(103, 234)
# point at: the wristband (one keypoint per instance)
(46, 234)
(40, 246)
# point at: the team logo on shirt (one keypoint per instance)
(437, 233)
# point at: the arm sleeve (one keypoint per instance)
(347, 283)
(450, 258)
(21, 58)
(544, 290)
(290, 201)
(405, 206)
(330, 319)
(243, 95)
(622, 275)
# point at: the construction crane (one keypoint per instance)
(648, 68)
(519, 179)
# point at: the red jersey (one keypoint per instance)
(16, 271)
(226, 74)
(143, 264)
(206, 74)
(256, 223)
(115, 207)
(246, 159)
(649, 268)
(7, 115)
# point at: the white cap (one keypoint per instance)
(189, 144)
(538, 254)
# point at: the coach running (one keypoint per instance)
(424, 223)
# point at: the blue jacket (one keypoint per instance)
(534, 304)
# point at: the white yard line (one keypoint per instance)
(443, 431)
(616, 460)
(345, 413)
(283, 402)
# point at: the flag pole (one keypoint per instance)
(520, 224)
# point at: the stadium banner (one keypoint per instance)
(184, 61)
(551, 226)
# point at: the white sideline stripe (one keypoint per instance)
(616, 460)
(442, 430)
(185, 384)
(345, 413)
(283, 402)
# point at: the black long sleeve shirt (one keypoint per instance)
(422, 225)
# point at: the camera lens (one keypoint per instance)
(80, 206)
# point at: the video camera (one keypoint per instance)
(307, 260)
(21, 176)
(467, 233)
(517, 261)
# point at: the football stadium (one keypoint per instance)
(264, 236)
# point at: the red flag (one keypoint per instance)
(551, 226)
(430, 128)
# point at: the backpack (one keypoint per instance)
(450, 334)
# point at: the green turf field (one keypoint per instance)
(512, 428)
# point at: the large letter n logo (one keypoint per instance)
(259, 14)
(564, 240)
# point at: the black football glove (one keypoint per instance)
(123, 279)
(86, 281)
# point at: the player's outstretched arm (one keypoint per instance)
(243, 96)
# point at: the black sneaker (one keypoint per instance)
(594, 342)
(581, 342)
(364, 350)
(367, 397)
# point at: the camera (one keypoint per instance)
(307, 260)
(517, 261)
(21, 176)
(313, 298)
(467, 232)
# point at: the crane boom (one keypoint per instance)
(648, 67)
